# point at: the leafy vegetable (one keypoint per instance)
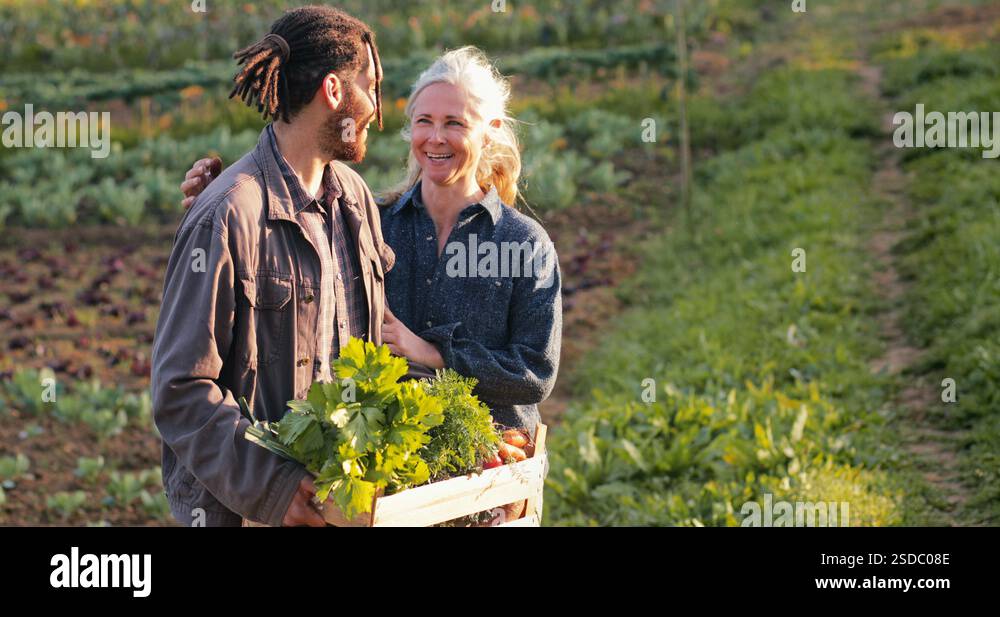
(26, 389)
(360, 434)
(66, 503)
(13, 467)
(467, 435)
(88, 469)
(155, 504)
(125, 488)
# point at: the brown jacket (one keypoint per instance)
(239, 313)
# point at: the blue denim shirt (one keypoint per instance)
(493, 312)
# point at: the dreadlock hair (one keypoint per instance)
(281, 72)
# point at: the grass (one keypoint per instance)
(761, 373)
(786, 98)
(762, 376)
(953, 259)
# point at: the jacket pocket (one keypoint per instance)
(273, 292)
(268, 296)
(179, 484)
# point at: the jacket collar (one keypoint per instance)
(280, 205)
(279, 200)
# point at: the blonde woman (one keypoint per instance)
(476, 284)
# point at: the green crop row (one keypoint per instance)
(782, 97)
(106, 411)
(902, 73)
(79, 86)
(57, 188)
(760, 373)
(61, 187)
(115, 34)
(560, 162)
(141, 489)
(135, 33)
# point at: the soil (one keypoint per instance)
(84, 302)
(934, 451)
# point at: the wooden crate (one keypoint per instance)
(457, 497)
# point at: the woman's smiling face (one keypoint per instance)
(446, 135)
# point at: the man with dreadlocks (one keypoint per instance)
(275, 266)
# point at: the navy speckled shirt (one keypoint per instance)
(494, 313)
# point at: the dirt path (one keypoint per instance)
(595, 243)
(934, 451)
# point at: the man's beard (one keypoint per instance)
(335, 138)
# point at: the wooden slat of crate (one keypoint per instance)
(457, 497)
(471, 494)
(524, 521)
(535, 501)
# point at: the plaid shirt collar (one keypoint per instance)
(301, 199)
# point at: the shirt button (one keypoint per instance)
(428, 281)
(339, 277)
(309, 298)
(428, 324)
